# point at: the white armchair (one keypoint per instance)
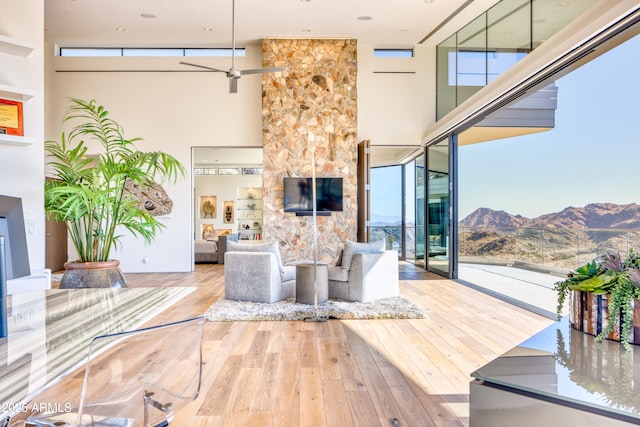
(367, 273)
(254, 272)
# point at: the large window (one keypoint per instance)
(92, 51)
(494, 41)
(398, 201)
(387, 205)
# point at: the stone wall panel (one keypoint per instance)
(313, 102)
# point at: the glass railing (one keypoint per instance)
(392, 234)
(562, 248)
(490, 44)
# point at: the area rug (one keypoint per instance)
(398, 307)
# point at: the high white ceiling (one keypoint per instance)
(207, 23)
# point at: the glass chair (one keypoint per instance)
(136, 378)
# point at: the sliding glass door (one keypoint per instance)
(438, 245)
(410, 207)
(419, 208)
(387, 207)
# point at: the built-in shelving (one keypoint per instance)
(15, 93)
(16, 140)
(15, 47)
(21, 48)
(249, 213)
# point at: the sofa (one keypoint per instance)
(254, 272)
(213, 249)
(366, 272)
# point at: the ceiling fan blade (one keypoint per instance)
(262, 70)
(204, 66)
(233, 85)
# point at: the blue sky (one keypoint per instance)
(592, 155)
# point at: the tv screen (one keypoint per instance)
(298, 195)
(15, 238)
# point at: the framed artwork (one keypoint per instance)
(11, 117)
(208, 231)
(208, 207)
(227, 212)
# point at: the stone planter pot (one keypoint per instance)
(589, 313)
(104, 274)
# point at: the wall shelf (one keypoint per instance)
(16, 140)
(16, 93)
(15, 47)
(249, 207)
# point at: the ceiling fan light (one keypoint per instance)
(234, 74)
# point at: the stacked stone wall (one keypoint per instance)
(312, 106)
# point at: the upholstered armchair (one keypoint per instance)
(254, 272)
(367, 272)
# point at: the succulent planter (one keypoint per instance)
(589, 313)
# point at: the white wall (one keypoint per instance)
(174, 107)
(22, 167)
(396, 96)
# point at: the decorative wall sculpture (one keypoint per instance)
(153, 199)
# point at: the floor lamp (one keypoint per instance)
(312, 149)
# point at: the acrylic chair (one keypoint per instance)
(136, 378)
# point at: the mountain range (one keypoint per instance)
(593, 215)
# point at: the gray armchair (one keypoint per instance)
(254, 272)
(367, 273)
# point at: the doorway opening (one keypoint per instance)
(227, 198)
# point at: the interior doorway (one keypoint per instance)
(227, 197)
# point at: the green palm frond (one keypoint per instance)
(88, 192)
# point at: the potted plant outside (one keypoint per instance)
(88, 193)
(604, 294)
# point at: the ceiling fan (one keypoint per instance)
(233, 74)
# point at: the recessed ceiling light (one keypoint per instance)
(148, 15)
(305, 1)
(364, 18)
(404, 30)
(207, 29)
(306, 30)
(429, 1)
(120, 29)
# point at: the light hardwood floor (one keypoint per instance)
(341, 373)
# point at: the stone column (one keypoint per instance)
(316, 94)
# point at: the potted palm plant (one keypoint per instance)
(604, 297)
(88, 193)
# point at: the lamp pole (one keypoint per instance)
(315, 231)
(312, 149)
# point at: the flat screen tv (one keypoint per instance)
(15, 238)
(298, 195)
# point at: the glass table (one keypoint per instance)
(558, 377)
(50, 332)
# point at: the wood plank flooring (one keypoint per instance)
(340, 373)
